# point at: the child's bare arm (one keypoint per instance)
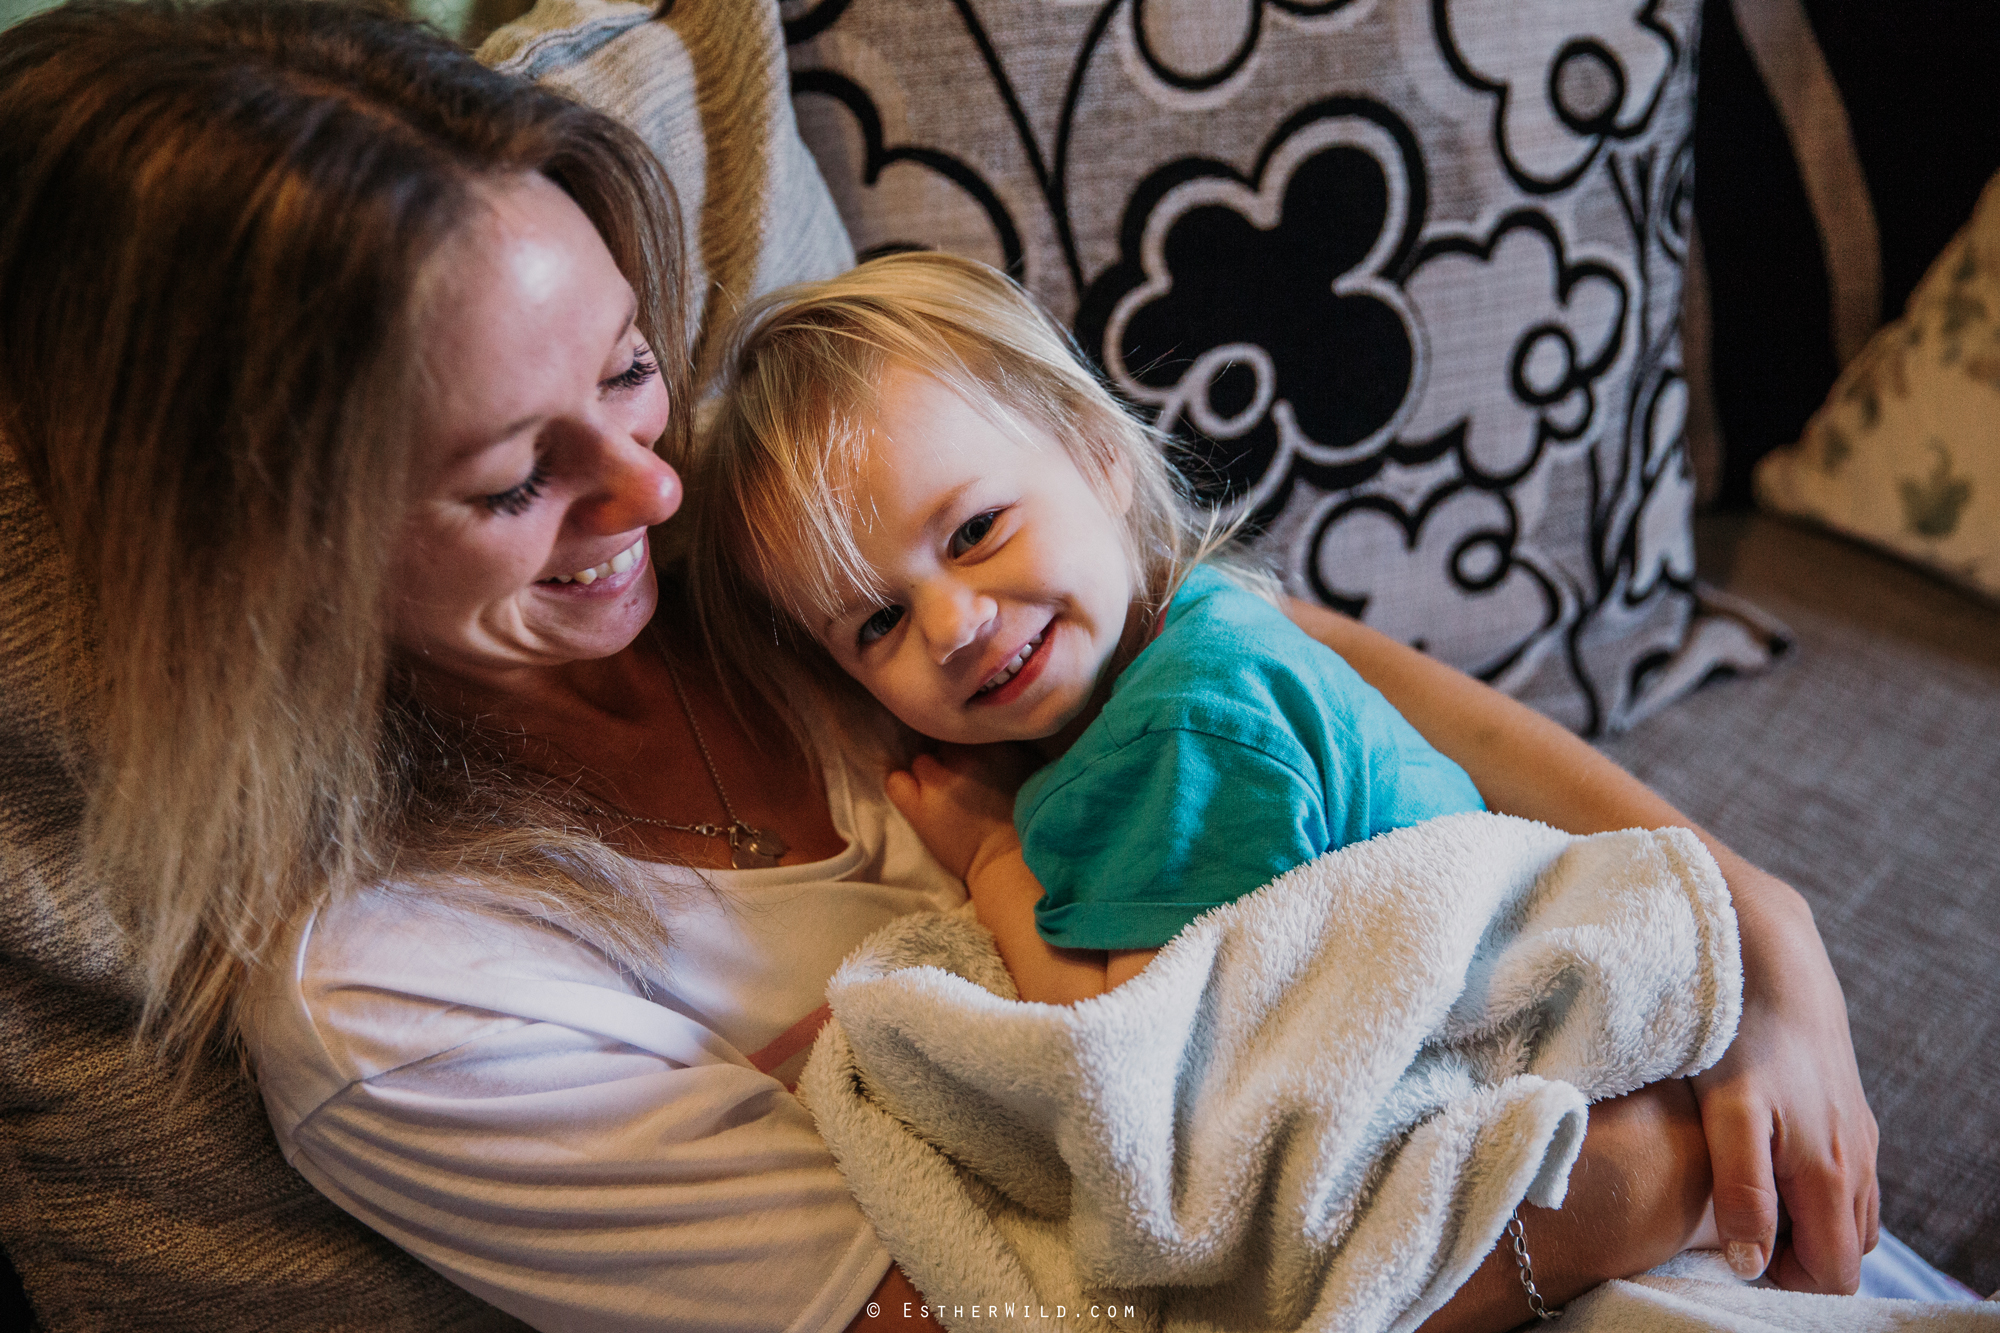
(961, 804)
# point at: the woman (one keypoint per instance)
(346, 367)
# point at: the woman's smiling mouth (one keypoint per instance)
(617, 564)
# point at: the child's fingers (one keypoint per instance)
(930, 771)
(905, 792)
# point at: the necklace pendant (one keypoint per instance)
(754, 848)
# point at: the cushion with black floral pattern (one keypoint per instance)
(1402, 277)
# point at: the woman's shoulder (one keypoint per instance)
(416, 940)
(389, 976)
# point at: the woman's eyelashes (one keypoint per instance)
(516, 499)
(877, 625)
(972, 532)
(643, 368)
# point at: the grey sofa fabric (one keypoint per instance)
(121, 1207)
(1866, 772)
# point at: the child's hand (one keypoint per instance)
(961, 802)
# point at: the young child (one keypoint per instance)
(915, 485)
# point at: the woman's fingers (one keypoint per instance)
(1831, 1196)
(1786, 1118)
(1871, 1208)
(1746, 1192)
(1804, 1157)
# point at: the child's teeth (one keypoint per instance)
(1007, 673)
(623, 561)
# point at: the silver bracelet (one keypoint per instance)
(1519, 1237)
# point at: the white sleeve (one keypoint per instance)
(503, 1105)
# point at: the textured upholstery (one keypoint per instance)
(122, 1208)
(1866, 772)
(1403, 277)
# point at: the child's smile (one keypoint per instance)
(1004, 579)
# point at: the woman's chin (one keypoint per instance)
(538, 630)
(575, 623)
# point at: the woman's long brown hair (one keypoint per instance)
(213, 221)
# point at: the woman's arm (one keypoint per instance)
(1637, 1196)
(1783, 1111)
(1641, 1178)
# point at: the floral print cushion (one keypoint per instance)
(1401, 276)
(1906, 451)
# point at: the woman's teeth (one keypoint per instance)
(1008, 672)
(617, 564)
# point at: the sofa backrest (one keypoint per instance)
(120, 1206)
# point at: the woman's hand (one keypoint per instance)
(1783, 1111)
(896, 1307)
(961, 802)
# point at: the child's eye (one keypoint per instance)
(878, 625)
(643, 368)
(516, 499)
(972, 532)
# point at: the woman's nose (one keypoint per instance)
(635, 488)
(953, 617)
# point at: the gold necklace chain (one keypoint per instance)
(749, 848)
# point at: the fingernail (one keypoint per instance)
(1745, 1260)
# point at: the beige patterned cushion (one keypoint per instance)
(706, 89)
(1906, 451)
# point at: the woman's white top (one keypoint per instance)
(581, 1149)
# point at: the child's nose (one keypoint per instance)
(953, 618)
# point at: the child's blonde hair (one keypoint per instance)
(773, 478)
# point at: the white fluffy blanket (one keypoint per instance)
(1316, 1108)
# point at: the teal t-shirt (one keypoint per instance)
(1232, 749)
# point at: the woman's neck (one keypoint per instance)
(615, 730)
(529, 700)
